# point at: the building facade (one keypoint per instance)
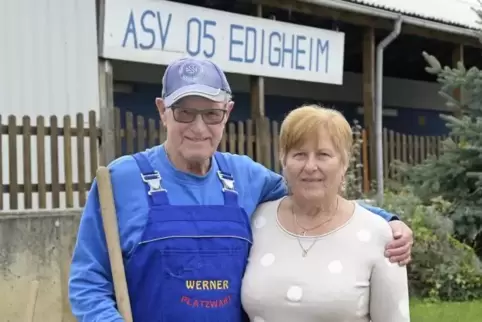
(77, 56)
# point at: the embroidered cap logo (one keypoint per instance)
(191, 71)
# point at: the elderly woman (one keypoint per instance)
(317, 256)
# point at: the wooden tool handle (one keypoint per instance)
(111, 229)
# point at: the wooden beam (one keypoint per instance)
(458, 54)
(366, 21)
(369, 96)
(257, 85)
(257, 107)
(257, 97)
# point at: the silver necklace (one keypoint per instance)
(304, 251)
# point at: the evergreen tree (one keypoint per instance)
(456, 175)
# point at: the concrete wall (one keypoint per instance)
(36, 246)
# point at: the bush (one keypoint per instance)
(353, 185)
(442, 268)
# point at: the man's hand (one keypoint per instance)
(400, 249)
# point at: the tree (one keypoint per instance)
(456, 175)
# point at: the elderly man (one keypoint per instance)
(184, 214)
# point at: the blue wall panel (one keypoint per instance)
(409, 121)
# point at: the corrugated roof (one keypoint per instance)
(453, 12)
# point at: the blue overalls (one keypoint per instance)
(190, 262)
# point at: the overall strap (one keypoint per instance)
(227, 180)
(156, 194)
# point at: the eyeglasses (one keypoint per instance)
(188, 115)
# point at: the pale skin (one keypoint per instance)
(190, 147)
(314, 172)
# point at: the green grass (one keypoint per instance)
(446, 312)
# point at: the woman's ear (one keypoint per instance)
(282, 160)
(346, 163)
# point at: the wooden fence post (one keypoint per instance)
(365, 157)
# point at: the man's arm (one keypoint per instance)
(275, 188)
(380, 212)
(274, 184)
(91, 290)
(399, 250)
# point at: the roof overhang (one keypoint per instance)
(463, 20)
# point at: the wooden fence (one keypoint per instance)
(410, 149)
(47, 174)
(51, 162)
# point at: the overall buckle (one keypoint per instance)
(227, 180)
(154, 181)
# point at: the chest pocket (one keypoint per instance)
(201, 263)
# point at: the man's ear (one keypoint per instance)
(161, 108)
(229, 108)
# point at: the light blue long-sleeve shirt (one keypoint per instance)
(90, 285)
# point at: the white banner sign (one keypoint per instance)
(158, 32)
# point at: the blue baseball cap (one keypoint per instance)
(194, 77)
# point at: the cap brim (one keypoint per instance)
(213, 94)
